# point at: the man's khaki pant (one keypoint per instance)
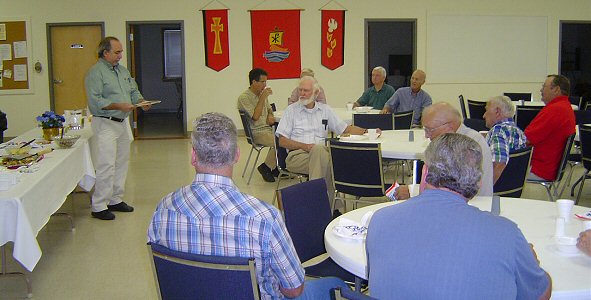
(266, 138)
(316, 163)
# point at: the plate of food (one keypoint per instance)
(17, 161)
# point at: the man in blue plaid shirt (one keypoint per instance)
(504, 136)
(212, 217)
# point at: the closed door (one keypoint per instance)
(73, 52)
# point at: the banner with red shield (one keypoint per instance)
(215, 33)
(333, 38)
(276, 42)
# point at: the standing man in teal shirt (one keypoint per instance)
(377, 95)
(112, 95)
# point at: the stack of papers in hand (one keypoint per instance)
(148, 102)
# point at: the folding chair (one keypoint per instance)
(245, 118)
(525, 114)
(476, 109)
(549, 184)
(403, 119)
(512, 180)
(284, 173)
(382, 121)
(181, 275)
(518, 96)
(463, 106)
(585, 138)
(357, 170)
(306, 210)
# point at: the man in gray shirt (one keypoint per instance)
(112, 95)
(410, 98)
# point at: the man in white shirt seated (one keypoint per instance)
(303, 129)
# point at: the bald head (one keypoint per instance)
(417, 80)
(440, 118)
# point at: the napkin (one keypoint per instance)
(585, 216)
(8, 179)
(392, 190)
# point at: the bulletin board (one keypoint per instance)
(15, 57)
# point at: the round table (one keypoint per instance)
(571, 275)
(396, 143)
(341, 112)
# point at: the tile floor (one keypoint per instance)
(109, 259)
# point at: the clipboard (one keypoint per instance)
(147, 102)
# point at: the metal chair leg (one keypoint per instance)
(254, 165)
(247, 161)
(581, 187)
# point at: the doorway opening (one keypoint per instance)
(391, 43)
(156, 61)
(575, 57)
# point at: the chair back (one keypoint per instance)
(181, 275)
(357, 168)
(306, 210)
(403, 119)
(382, 121)
(518, 96)
(245, 118)
(476, 109)
(574, 100)
(513, 178)
(564, 160)
(476, 124)
(525, 114)
(583, 116)
(463, 107)
(585, 138)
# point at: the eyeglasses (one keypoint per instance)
(429, 131)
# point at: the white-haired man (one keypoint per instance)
(436, 246)
(504, 136)
(377, 95)
(303, 130)
(212, 217)
(295, 94)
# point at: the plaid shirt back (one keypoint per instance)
(503, 138)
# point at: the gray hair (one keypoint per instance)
(381, 70)
(454, 161)
(214, 140)
(105, 45)
(505, 104)
(314, 81)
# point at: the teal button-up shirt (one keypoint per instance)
(106, 84)
(376, 99)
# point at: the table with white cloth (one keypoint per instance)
(538, 104)
(571, 274)
(27, 206)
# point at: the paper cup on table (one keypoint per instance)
(559, 231)
(564, 208)
(349, 106)
(373, 134)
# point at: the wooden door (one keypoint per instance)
(73, 52)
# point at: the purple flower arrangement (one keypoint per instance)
(49, 119)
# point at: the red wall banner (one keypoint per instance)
(276, 42)
(333, 38)
(215, 33)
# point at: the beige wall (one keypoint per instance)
(208, 90)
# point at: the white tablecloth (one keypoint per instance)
(571, 275)
(341, 112)
(396, 144)
(26, 207)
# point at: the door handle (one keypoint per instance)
(58, 81)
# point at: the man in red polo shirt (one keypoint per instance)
(548, 131)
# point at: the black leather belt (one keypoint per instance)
(112, 118)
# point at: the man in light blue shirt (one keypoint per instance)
(410, 98)
(112, 94)
(436, 246)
